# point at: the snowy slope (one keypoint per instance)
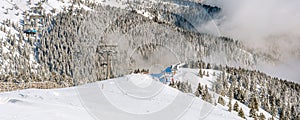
(33, 104)
(12, 14)
(191, 76)
(132, 97)
(13, 10)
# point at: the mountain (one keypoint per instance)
(135, 96)
(166, 60)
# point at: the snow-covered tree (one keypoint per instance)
(262, 116)
(236, 106)
(221, 101)
(229, 105)
(200, 73)
(241, 113)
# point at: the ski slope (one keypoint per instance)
(132, 97)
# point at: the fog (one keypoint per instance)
(271, 26)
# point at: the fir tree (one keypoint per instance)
(236, 106)
(208, 66)
(230, 105)
(252, 112)
(200, 73)
(241, 113)
(262, 116)
(207, 73)
(221, 101)
(198, 90)
(273, 110)
(282, 114)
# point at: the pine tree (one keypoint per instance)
(218, 85)
(271, 118)
(273, 110)
(236, 106)
(221, 101)
(200, 73)
(181, 86)
(208, 66)
(205, 95)
(207, 73)
(252, 112)
(208, 98)
(266, 105)
(262, 116)
(198, 90)
(253, 105)
(282, 114)
(230, 92)
(293, 112)
(256, 104)
(184, 87)
(230, 95)
(241, 113)
(244, 96)
(288, 111)
(230, 105)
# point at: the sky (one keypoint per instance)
(271, 26)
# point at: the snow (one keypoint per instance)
(13, 10)
(4, 100)
(134, 97)
(145, 14)
(34, 104)
(113, 3)
(7, 5)
(191, 76)
(129, 97)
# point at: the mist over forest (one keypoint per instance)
(269, 26)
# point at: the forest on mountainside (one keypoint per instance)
(250, 87)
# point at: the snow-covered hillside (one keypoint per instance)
(73, 44)
(17, 16)
(63, 39)
(14, 10)
(191, 76)
(131, 97)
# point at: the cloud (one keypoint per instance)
(271, 26)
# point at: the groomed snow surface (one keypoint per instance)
(132, 97)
